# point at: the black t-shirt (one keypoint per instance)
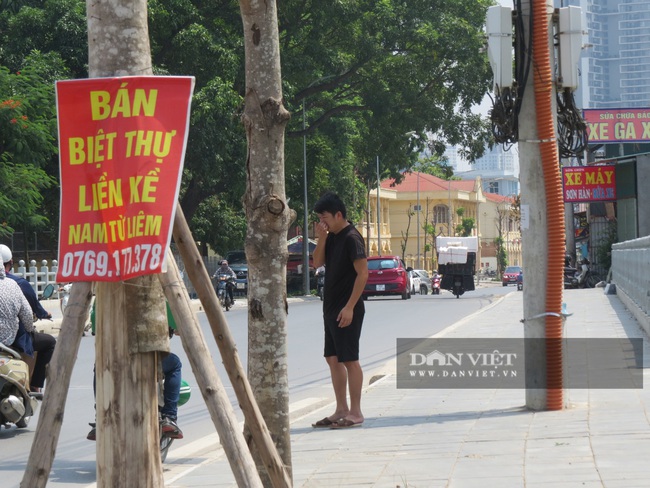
(341, 250)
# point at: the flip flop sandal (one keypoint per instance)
(345, 424)
(325, 423)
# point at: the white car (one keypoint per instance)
(414, 279)
(424, 281)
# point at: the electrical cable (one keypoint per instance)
(571, 127)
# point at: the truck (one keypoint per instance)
(457, 263)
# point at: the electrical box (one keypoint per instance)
(499, 31)
(570, 47)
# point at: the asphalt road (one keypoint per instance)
(386, 320)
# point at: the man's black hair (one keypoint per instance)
(330, 202)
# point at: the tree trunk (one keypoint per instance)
(214, 395)
(131, 316)
(268, 218)
(131, 319)
(201, 280)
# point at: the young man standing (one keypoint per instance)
(342, 250)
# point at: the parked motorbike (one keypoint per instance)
(225, 289)
(320, 282)
(17, 403)
(435, 284)
(572, 276)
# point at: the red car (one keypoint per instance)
(510, 275)
(387, 275)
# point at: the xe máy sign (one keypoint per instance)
(121, 147)
(618, 125)
(589, 183)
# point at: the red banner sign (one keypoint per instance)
(618, 125)
(121, 148)
(589, 183)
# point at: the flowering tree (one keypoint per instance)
(27, 146)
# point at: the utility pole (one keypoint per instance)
(534, 228)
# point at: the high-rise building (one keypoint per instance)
(498, 169)
(619, 57)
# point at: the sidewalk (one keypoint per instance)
(470, 438)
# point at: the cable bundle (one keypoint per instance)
(571, 127)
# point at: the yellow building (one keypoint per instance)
(422, 207)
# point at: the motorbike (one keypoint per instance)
(17, 403)
(225, 289)
(458, 288)
(320, 282)
(435, 285)
(64, 296)
(165, 440)
(520, 282)
(572, 276)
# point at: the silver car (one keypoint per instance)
(424, 279)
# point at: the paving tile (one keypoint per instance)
(483, 438)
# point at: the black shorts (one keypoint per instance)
(343, 342)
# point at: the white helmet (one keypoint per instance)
(5, 252)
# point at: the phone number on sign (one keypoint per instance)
(127, 261)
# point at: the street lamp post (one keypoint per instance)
(305, 226)
(378, 213)
(418, 222)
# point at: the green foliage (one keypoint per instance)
(502, 255)
(436, 166)
(368, 74)
(604, 246)
(27, 143)
(464, 229)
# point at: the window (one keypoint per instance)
(440, 214)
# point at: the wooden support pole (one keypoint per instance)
(207, 377)
(199, 277)
(48, 429)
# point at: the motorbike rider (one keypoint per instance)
(14, 307)
(31, 342)
(171, 367)
(227, 270)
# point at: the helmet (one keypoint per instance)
(5, 252)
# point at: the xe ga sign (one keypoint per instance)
(617, 125)
(589, 183)
(121, 144)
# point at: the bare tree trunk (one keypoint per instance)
(200, 279)
(46, 438)
(210, 385)
(131, 325)
(130, 316)
(268, 218)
